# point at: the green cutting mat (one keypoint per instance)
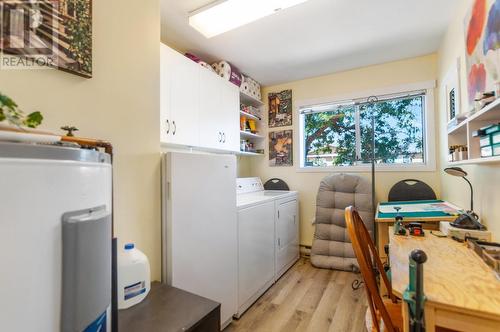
(422, 214)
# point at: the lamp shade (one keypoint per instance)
(455, 171)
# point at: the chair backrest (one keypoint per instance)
(369, 262)
(276, 184)
(411, 190)
(331, 247)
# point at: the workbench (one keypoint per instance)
(429, 213)
(462, 292)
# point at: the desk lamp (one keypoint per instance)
(468, 220)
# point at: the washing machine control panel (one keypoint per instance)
(248, 185)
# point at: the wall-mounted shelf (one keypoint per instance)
(461, 128)
(250, 116)
(247, 139)
(462, 134)
(250, 135)
(487, 160)
(249, 100)
(247, 153)
(490, 112)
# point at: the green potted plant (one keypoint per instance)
(10, 112)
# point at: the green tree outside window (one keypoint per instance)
(331, 137)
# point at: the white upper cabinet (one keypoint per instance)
(219, 112)
(179, 100)
(165, 63)
(198, 108)
(210, 109)
(230, 116)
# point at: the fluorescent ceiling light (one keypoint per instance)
(223, 16)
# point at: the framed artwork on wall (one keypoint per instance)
(281, 148)
(280, 109)
(47, 33)
(450, 88)
(482, 44)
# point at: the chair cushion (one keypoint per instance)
(332, 247)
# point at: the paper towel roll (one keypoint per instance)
(226, 76)
(230, 73)
(196, 59)
(253, 86)
(250, 87)
(216, 67)
(244, 87)
(206, 65)
(193, 57)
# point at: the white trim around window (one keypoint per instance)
(429, 130)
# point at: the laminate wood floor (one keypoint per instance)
(307, 299)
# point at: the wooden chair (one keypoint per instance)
(382, 314)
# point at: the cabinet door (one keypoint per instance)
(287, 246)
(165, 120)
(210, 109)
(184, 99)
(197, 107)
(229, 116)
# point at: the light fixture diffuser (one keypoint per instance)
(223, 16)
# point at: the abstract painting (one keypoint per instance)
(482, 40)
(280, 109)
(281, 148)
(53, 33)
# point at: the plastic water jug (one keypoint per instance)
(134, 278)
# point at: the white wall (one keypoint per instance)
(484, 178)
(370, 78)
(120, 104)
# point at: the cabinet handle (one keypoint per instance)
(223, 137)
(175, 128)
(279, 242)
(168, 126)
(220, 137)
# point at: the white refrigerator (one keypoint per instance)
(200, 227)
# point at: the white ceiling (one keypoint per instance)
(317, 37)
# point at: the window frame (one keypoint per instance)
(429, 134)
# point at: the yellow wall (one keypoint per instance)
(387, 75)
(484, 178)
(120, 104)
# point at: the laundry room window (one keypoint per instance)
(338, 135)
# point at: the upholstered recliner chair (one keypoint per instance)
(332, 248)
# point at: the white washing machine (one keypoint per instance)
(268, 238)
